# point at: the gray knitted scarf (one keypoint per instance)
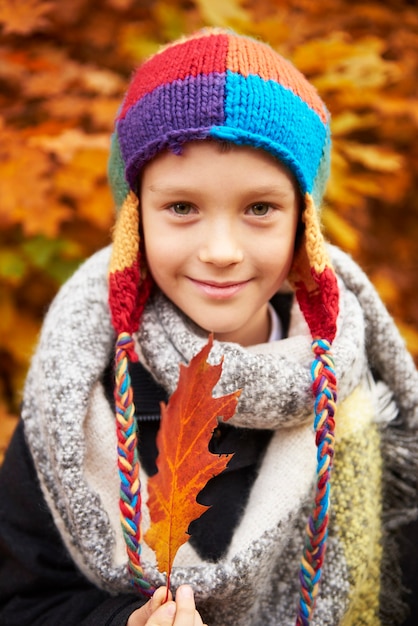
(70, 429)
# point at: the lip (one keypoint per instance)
(218, 290)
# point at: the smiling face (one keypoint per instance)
(219, 231)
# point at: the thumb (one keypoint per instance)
(142, 615)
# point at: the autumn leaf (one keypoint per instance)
(184, 462)
(373, 157)
(23, 168)
(69, 142)
(221, 13)
(341, 231)
(25, 16)
(19, 344)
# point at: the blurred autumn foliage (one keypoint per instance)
(64, 67)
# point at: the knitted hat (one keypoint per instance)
(220, 85)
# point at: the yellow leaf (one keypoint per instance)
(84, 179)
(348, 122)
(222, 13)
(101, 81)
(137, 43)
(338, 189)
(68, 143)
(19, 344)
(273, 30)
(396, 107)
(364, 185)
(375, 158)
(98, 208)
(340, 231)
(386, 286)
(336, 53)
(26, 187)
(79, 177)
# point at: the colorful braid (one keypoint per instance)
(128, 463)
(324, 388)
(126, 302)
(318, 300)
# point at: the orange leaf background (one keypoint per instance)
(64, 67)
(184, 462)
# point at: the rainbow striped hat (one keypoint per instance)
(223, 86)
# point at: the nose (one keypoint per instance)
(220, 245)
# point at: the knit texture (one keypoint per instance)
(219, 85)
(227, 87)
(73, 443)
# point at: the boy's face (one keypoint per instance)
(219, 231)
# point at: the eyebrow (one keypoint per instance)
(266, 190)
(261, 190)
(169, 189)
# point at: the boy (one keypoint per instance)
(218, 165)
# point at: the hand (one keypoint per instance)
(182, 612)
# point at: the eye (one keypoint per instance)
(181, 208)
(260, 209)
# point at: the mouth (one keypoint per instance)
(219, 290)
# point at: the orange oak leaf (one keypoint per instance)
(184, 462)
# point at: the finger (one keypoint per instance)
(163, 616)
(140, 616)
(186, 608)
(198, 620)
(160, 596)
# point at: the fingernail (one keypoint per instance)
(185, 591)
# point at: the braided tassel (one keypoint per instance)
(324, 388)
(128, 463)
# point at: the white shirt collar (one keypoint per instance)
(276, 329)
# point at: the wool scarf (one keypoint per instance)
(70, 428)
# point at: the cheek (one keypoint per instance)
(157, 246)
(277, 257)
(164, 258)
(156, 260)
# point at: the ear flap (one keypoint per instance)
(314, 279)
(129, 282)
